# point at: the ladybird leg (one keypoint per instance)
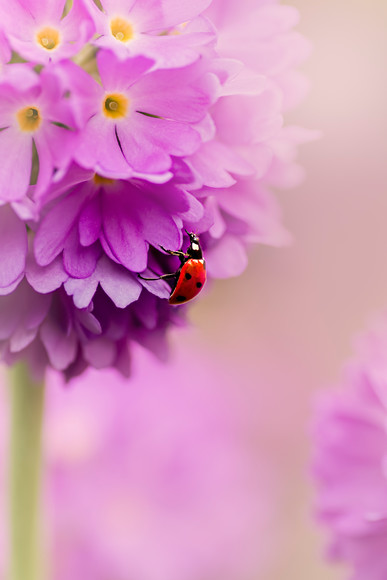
(163, 277)
(173, 253)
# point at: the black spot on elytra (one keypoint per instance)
(199, 284)
(180, 298)
(188, 276)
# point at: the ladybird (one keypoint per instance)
(190, 277)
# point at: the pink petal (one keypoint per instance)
(13, 246)
(16, 163)
(118, 283)
(82, 290)
(123, 235)
(21, 338)
(60, 345)
(160, 14)
(12, 287)
(148, 143)
(117, 75)
(44, 10)
(187, 102)
(45, 279)
(79, 261)
(14, 16)
(56, 226)
(77, 27)
(90, 222)
(122, 7)
(100, 352)
(98, 149)
(236, 262)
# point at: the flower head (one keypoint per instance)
(350, 460)
(129, 124)
(41, 31)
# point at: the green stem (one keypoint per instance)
(27, 398)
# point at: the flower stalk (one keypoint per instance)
(27, 400)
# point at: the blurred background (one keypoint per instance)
(287, 325)
(204, 473)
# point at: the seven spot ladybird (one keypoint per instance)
(190, 277)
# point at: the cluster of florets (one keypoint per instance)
(123, 123)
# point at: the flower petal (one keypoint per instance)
(13, 246)
(160, 14)
(16, 163)
(118, 283)
(236, 262)
(123, 235)
(79, 261)
(45, 279)
(56, 226)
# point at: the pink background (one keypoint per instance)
(286, 326)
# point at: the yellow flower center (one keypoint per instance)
(99, 180)
(115, 106)
(29, 119)
(48, 38)
(121, 29)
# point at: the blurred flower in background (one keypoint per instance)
(155, 479)
(350, 462)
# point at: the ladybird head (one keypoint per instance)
(194, 249)
(192, 237)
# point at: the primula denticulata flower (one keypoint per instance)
(122, 125)
(350, 460)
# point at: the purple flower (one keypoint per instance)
(39, 32)
(33, 114)
(114, 145)
(168, 32)
(136, 123)
(350, 460)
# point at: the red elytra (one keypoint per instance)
(190, 277)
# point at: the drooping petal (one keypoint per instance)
(119, 284)
(45, 279)
(90, 222)
(79, 261)
(123, 234)
(82, 289)
(56, 226)
(61, 347)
